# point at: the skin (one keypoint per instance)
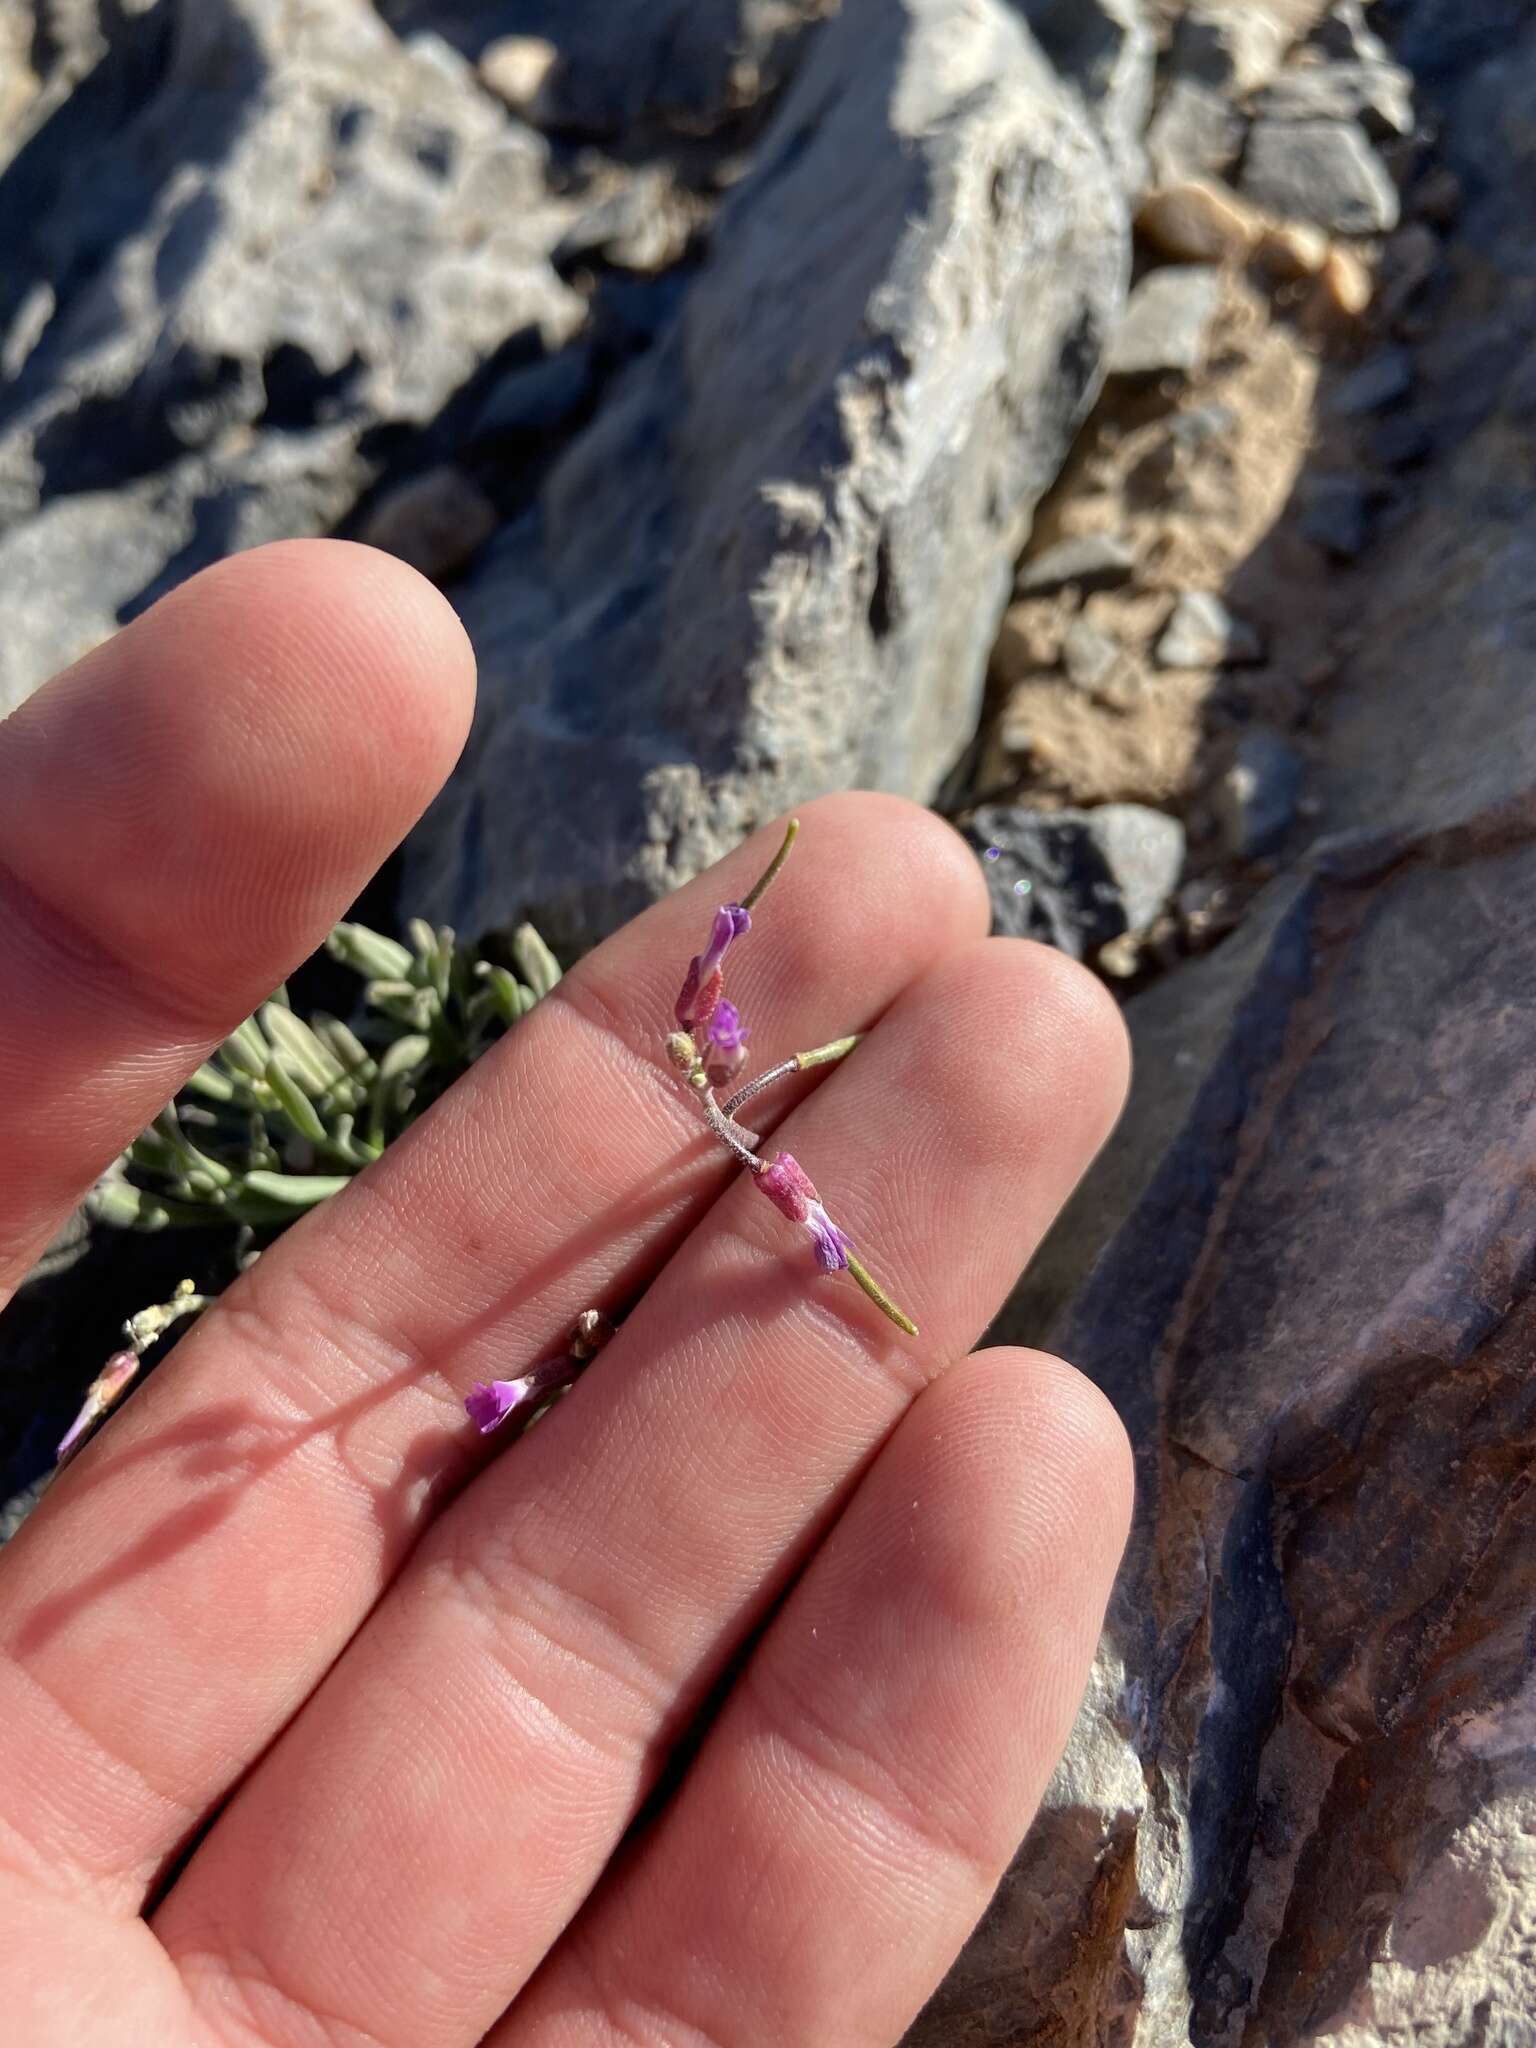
(711, 1713)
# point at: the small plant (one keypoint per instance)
(709, 1052)
(287, 1111)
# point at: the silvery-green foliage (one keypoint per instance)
(289, 1109)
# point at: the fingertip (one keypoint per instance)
(907, 847)
(1036, 1468)
(381, 646)
(209, 789)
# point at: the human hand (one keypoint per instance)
(327, 1723)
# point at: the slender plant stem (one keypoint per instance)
(740, 1141)
(880, 1298)
(818, 1056)
(770, 875)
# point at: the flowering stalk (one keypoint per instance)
(708, 1049)
(708, 1053)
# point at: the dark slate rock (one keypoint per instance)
(265, 240)
(1333, 512)
(537, 399)
(1256, 800)
(1077, 879)
(1384, 380)
(1402, 442)
(1325, 172)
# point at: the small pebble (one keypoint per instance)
(435, 521)
(1089, 562)
(1196, 133)
(1384, 380)
(1193, 222)
(1089, 655)
(1256, 800)
(1345, 284)
(1291, 249)
(1166, 325)
(1202, 633)
(1325, 172)
(516, 69)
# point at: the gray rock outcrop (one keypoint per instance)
(775, 563)
(1300, 1803)
(251, 244)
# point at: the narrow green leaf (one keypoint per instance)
(312, 1065)
(210, 1082)
(401, 1057)
(503, 989)
(294, 1103)
(296, 1190)
(369, 953)
(246, 1049)
(535, 962)
(343, 1044)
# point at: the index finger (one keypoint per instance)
(183, 816)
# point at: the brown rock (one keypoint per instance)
(1345, 285)
(1193, 222)
(1292, 249)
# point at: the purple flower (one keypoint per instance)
(725, 1044)
(489, 1403)
(790, 1189)
(701, 989)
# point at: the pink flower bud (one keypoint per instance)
(701, 989)
(791, 1191)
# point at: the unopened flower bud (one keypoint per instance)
(790, 1189)
(701, 989)
(682, 1052)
